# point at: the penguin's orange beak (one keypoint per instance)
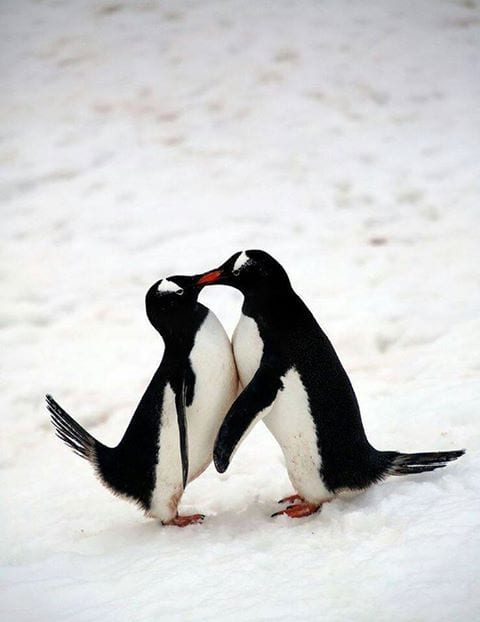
(210, 277)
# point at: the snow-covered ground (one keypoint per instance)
(141, 139)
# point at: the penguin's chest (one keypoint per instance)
(247, 348)
(214, 389)
(289, 419)
(168, 471)
(291, 423)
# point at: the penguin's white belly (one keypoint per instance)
(168, 481)
(292, 425)
(216, 384)
(215, 389)
(289, 419)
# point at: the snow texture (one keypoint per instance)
(149, 138)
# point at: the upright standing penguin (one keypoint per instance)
(170, 438)
(294, 381)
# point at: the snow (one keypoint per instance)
(144, 139)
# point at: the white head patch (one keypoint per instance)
(168, 286)
(242, 259)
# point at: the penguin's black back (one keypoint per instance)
(129, 468)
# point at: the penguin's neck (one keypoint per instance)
(272, 306)
(179, 337)
(177, 346)
(179, 334)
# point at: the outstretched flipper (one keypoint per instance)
(253, 403)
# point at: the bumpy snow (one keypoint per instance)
(143, 139)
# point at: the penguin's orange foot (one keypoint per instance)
(299, 510)
(183, 521)
(292, 499)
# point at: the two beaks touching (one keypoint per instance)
(292, 379)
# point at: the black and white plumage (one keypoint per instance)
(170, 438)
(294, 381)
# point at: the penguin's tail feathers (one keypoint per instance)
(405, 464)
(72, 433)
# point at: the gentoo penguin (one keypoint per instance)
(170, 438)
(294, 381)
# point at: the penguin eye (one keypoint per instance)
(236, 272)
(179, 292)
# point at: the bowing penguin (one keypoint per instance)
(170, 438)
(294, 381)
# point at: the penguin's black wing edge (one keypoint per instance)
(180, 400)
(253, 403)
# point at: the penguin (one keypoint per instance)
(293, 379)
(169, 440)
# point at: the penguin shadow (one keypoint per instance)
(241, 521)
(141, 533)
(245, 521)
(383, 497)
(255, 514)
(389, 493)
(220, 528)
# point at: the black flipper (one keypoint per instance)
(251, 405)
(180, 401)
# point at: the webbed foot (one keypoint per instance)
(183, 521)
(299, 510)
(292, 499)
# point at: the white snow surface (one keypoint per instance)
(144, 139)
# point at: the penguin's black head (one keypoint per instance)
(170, 302)
(252, 272)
